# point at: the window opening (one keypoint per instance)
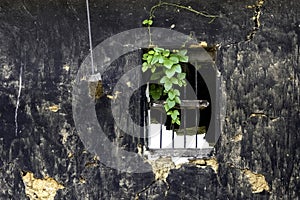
(199, 114)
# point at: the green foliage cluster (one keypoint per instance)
(165, 66)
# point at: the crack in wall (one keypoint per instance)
(256, 18)
(18, 101)
(161, 168)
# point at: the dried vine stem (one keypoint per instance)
(188, 8)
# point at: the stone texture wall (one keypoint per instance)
(42, 46)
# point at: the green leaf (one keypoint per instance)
(181, 76)
(149, 59)
(166, 106)
(155, 76)
(150, 22)
(174, 59)
(183, 82)
(168, 63)
(152, 87)
(171, 95)
(176, 92)
(168, 85)
(160, 59)
(154, 60)
(177, 100)
(177, 68)
(156, 95)
(153, 68)
(166, 52)
(144, 67)
(175, 114)
(177, 121)
(180, 83)
(151, 52)
(182, 52)
(164, 79)
(174, 80)
(145, 56)
(145, 22)
(170, 103)
(184, 59)
(170, 72)
(155, 91)
(159, 50)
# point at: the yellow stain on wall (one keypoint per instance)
(257, 181)
(66, 67)
(54, 108)
(161, 167)
(202, 163)
(40, 189)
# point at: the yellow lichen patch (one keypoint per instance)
(161, 167)
(212, 162)
(41, 189)
(54, 108)
(128, 83)
(258, 115)
(203, 44)
(257, 181)
(64, 133)
(94, 162)
(201, 162)
(259, 3)
(115, 96)
(66, 67)
(238, 137)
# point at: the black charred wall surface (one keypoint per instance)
(258, 59)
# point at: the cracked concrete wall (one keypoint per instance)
(258, 152)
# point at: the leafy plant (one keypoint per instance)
(165, 66)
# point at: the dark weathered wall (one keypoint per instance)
(260, 138)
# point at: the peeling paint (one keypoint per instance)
(54, 108)
(212, 162)
(161, 167)
(256, 18)
(259, 115)
(257, 181)
(41, 189)
(238, 137)
(66, 67)
(64, 133)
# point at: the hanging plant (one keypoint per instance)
(165, 67)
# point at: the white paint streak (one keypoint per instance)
(18, 100)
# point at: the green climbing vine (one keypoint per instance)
(166, 65)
